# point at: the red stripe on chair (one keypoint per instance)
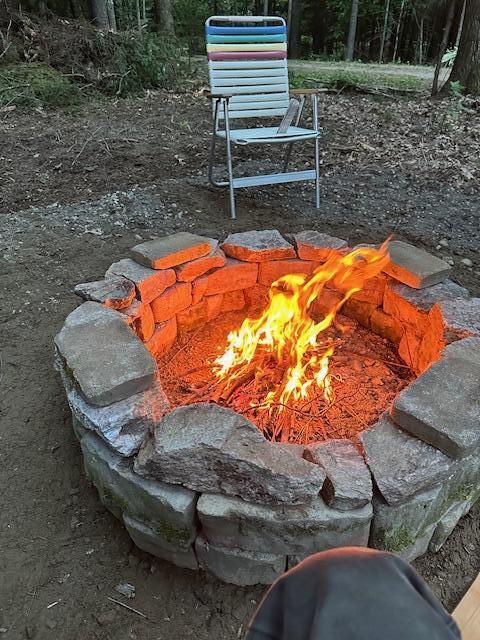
(251, 55)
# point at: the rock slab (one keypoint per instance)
(232, 522)
(258, 246)
(102, 355)
(170, 251)
(169, 510)
(116, 292)
(401, 464)
(149, 283)
(313, 245)
(209, 448)
(148, 539)
(442, 407)
(237, 566)
(190, 270)
(348, 483)
(125, 424)
(415, 267)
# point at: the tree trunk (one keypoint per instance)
(112, 19)
(466, 68)
(294, 28)
(265, 7)
(443, 46)
(460, 24)
(384, 32)
(318, 25)
(164, 16)
(397, 35)
(100, 13)
(352, 31)
(420, 41)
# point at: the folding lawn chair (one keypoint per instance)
(247, 62)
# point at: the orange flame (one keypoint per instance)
(286, 339)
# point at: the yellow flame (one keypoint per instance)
(285, 336)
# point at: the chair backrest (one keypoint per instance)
(247, 58)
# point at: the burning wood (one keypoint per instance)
(293, 373)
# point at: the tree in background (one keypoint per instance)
(294, 28)
(352, 31)
(466, 68)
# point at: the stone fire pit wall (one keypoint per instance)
(199, 486)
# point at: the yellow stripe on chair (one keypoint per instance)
(273, 46)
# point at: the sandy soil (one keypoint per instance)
(61, 553)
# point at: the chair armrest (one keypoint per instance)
(216, 96)
(304, 92)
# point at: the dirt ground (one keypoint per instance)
(77, 190)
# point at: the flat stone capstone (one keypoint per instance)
(102, 355)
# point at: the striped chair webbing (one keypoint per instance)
(249, 63)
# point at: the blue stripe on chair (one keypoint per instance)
(247, 31)
(247, 39)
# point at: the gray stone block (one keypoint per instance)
(78, 429)
(147, 539)
(231, 522)
(401, 464)
(115, 292)
(258, 246)
(442, 407)
(124, 425)
(169, 510)
(466, 349)
(425, 299)
(447, 524)
(149, 283)
(209, 448)
(170, 251)
(239, 567)
(103, 356)
(461, 317)
(348, 484)
(397, 528)
(415, 267)
(419, 546)
(313, 245)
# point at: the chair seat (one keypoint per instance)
(268, 134)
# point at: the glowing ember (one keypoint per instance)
(285, 351)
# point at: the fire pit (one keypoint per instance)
(242, 406)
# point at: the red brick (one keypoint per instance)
(312, 245)
(233, 276)
(258, 246)
(256, 297)
(196, 268)
(386, 326)
(144, 325)
(270, 271)
(359, 311)
(170, 251)
(214, 305)
(373, 291)
(163, 337)
(172, 301)
(149, 283)
(325, 303)
(233, 301)
(193, 317)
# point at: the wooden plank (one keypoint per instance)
(467, 612)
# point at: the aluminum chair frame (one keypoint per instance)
(227, 104)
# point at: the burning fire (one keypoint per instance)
(283, 350)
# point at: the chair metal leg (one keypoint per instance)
(317, 173)
(317, 151)
(233, 212)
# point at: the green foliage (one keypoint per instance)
(456, 89)
(346, 80)
(36, 85)
(141, 62)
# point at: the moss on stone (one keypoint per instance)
(395, 540)
(173, 535)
